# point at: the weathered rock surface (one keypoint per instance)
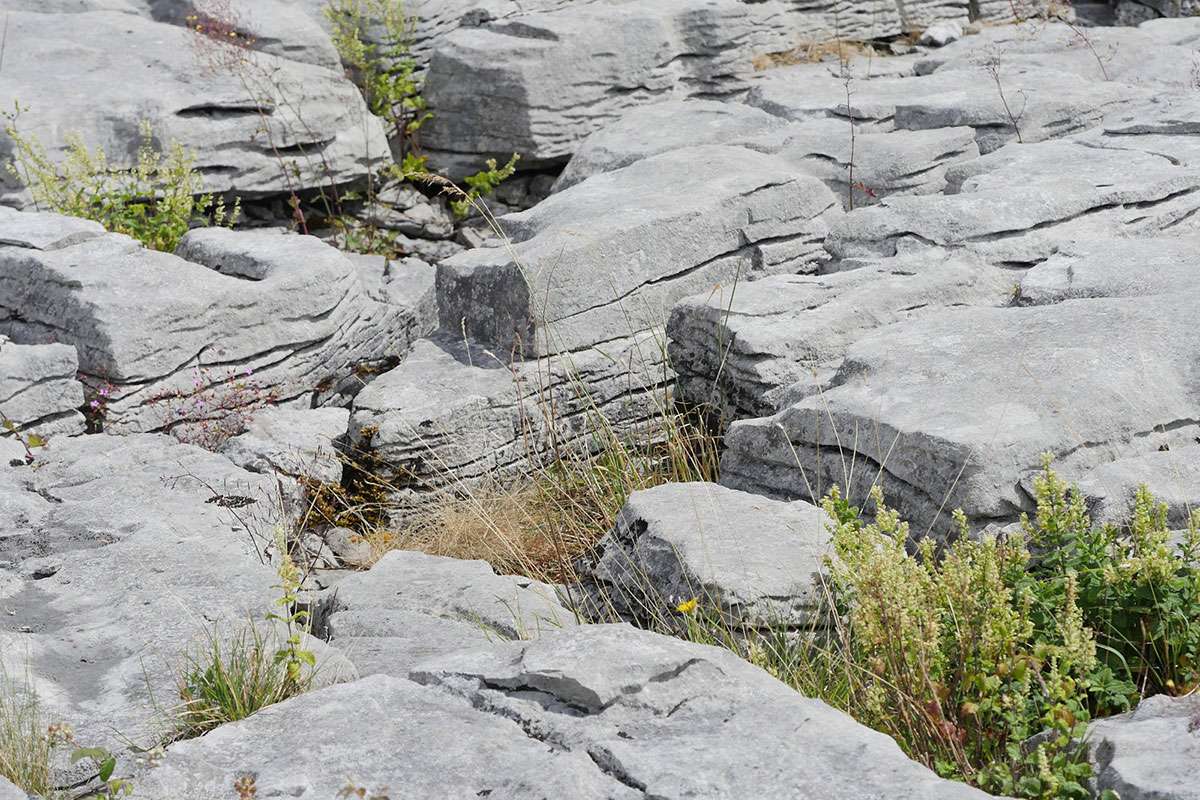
(954, 411)
(257, 123)
(899, 162)
(635, 703)
(400, 207)
(410, 606)
(448, 588)
(590, 266)
(1166, 127)
(1148, 753)
(754, 562)
(1114, 268)
(1093, 55)
(295, 442)
(649, 130)
(10, 792)
(1172, 476)
(454, 416)
(555, 77)
(751, 350)
(1017, 205)
(599, 712)
(122, 563)
(38, 389)
(289, 309)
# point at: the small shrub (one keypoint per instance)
(385, 70)
(156, 201)
(987, 660)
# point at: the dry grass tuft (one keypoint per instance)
(840, 50)
(25, 746)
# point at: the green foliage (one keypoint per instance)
(384, 68)
(105, 764)
(292, 656)
(1138, 591)
(229, 680)
(986, 660)
(156, 201)
(29, 441)
(482, 184)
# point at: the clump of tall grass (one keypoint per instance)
(26, 743)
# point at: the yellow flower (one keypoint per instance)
(687, 606)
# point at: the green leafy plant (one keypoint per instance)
(155, 201)
(292, 656)
(231, 678)
(105, 764)
(29, 441)
(385, 68)
(482, 184)
(986, 660)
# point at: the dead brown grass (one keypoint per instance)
(839, 50)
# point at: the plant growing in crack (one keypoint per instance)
(993, 64)
(29, 441)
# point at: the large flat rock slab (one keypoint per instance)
(608, 257)
(258, 123)
(124, 565)
(605, 712)
(860, 167)
(1018, 205)
(751, 350)
(955, 411)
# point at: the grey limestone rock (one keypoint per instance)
(753, 350)
(941, 34)
(754, 562)
(115, 70)
(410, 606)
(454, 417)
(1172, 476)
(1017, 205)
(287, 313)
(1148, 754)
(588, 266)
(637, 702)
(295, 442)
(884, 163)
(38, 389)
(145, 566)
(602, 712)
(955, 410)
(1113, 268)
(10, 792)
